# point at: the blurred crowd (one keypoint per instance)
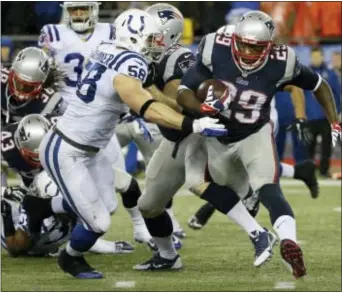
(297, 22)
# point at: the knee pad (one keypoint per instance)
(101, 223)
(147, 209)
(122, 180)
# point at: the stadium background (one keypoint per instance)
(303, 25)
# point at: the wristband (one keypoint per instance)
(187, 125)
(145, 106)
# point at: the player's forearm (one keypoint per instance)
(187, 99)
(165, 116)
(326, 99)
(161, 97)
(298, 101)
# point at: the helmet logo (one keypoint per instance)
(22, 134)
(45, 66)
(142, 26)
(166, 15)
(270, 26)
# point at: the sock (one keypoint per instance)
(72, 252)
(159, 226)
(131, 196)
(165, 247)
(169, 204)
(221, 198)
(271, 196)
(285, 226)
(103, 246)
(81, 240)
(241, 216)
(136, 216)
(287, 170)
(175, 223)
(204, 213)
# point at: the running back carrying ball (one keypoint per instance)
(218, 86)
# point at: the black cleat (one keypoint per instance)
(306, 172)
(77, 267)
(157, 263)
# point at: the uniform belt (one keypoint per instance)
(75, 144)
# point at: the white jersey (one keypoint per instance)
(71, 52)
(54, 232)
(91, 118)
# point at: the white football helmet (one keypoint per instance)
(170, 22)
(43, 186)
(81, 23)
(137, 31)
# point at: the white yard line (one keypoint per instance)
(125, 284)
(284, 285)
(337, 209)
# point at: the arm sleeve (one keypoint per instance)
(175, 69)
(298, 74)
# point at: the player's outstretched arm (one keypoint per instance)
(298, 100)
(139, 100)
(164, 96)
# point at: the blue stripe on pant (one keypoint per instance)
(60, 183)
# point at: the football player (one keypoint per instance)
(29, 86)
(304, 171)
(184, 156)
(19, 216)
(247, 155)
(110, 84)
(71, 44)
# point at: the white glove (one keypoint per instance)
(209, 127)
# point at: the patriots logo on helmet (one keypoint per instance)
(270, 25)
(166, 15)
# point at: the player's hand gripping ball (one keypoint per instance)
(214, 95)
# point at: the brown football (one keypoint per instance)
(219, 89)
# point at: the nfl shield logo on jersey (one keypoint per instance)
(166, 15)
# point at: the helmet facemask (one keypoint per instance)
(250, 54)
(23, 90)
(82, 16)
(31, 157)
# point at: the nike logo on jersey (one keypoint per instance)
(187, 56)
(140, 63)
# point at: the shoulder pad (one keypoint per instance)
(205, 50)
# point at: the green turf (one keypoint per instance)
(218, 258)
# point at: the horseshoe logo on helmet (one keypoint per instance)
(142, 26)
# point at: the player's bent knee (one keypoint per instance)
(258, 182)
(148, 209)
(122, 180)
(199, 189)
(101, 224)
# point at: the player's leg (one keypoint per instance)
(305, 168)
(326, 148)
(259, 156)
(129, 190)
(231, 184)
(164, 177)
(123, 133)
(70, 170)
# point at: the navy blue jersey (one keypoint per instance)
(13, 111)
(251, 91)
(176, 62)
(11, 156)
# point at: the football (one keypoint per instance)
(219, 89)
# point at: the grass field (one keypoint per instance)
(217, 258)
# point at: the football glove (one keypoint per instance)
(300, 127)
(209, 127)
(213, 105)
(6, 209)
(15, 193)
(336, 134)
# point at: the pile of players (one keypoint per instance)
(67, 107)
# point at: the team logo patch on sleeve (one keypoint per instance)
(185, 65)
(166, 15)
